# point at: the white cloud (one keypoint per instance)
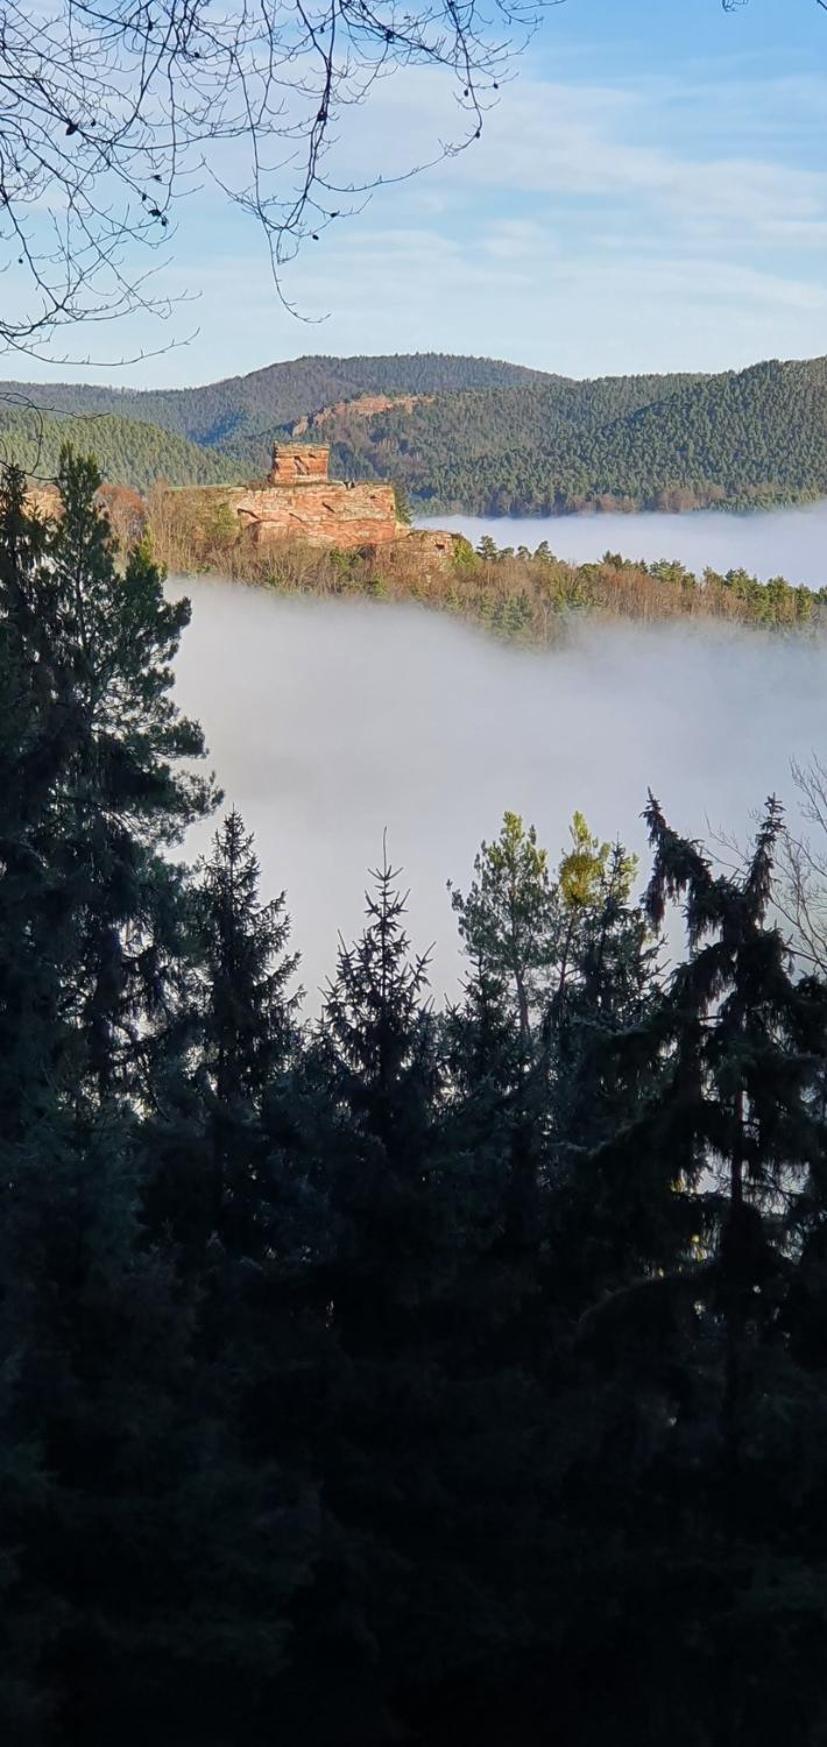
(577, 144)
(616, 226)
(514, 239)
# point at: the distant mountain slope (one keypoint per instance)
(762, 433)
(436, 446)
(128, 451)
(758, 436)
(464, 433)
(253, 407)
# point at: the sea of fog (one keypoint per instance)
(331, 722)
(790, 543)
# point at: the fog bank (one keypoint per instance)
(790, 543)
(329, 721)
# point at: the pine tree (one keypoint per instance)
(246, 1025)
(507, 916)
(94, 783)
(606, 985)
(738, 1029)
(141, 1551)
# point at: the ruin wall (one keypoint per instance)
(328, 514)
(324, 513)
(296, 461)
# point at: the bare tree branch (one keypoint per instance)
(802, 895)
(111, 111)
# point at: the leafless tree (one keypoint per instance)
(801, 894)
(112, 111)
(735, 5)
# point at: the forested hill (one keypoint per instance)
(756, 437)
(128, 452)
(254, 407)
(472, 434)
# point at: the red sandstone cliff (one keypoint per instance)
(363, 407)
(298, 501)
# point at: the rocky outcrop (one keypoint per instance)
(363, 407)
(298, 501)
(431, 550)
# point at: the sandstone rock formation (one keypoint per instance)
(363, 407)
(298, 501)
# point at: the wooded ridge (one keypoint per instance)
(470, 434)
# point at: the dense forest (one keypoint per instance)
(755, 438)
(483, 437)
(249, 410)
(393, 1374)
(129, 452)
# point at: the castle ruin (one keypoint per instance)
(298, 500)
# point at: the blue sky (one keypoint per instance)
(649, 194)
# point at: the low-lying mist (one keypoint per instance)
(781, 542)
(329, 722)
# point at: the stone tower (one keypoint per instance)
(294, 462)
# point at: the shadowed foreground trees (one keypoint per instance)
(400, 1375)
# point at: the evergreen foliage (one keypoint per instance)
(550, 446)
(481, 436)
(129, 451)
(247, 411)
(398, 1374)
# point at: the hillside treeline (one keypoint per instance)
(486, 437)
(638, 443)
(129, 452)
(513, 593)
(406, 1374)
(250, 410)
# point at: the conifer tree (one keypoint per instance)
(100, 791)
(605, 985)
(371, 1075)
(378, 1046)
(509, 923)
(139, 1552)
(248, 1012)
(376, 1023)
(738, 1029)
(551, 948)
(699, 1194)
(248, 1021)
(507, 916)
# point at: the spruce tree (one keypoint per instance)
(142, 1553)
(695, 1202)
(212, 1176)
(371, 1078)
(738, 1028)
(247, 969)
(377, 1042)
